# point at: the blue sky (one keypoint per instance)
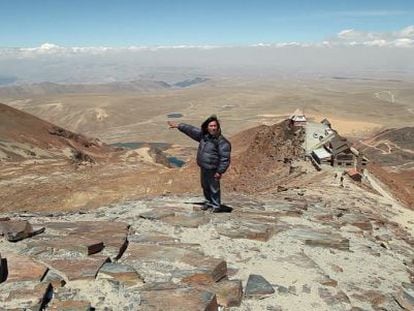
(162, 22)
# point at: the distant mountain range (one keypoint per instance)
(190, 82)
(48, 88)
(6, 80)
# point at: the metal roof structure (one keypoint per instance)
(322, 153)
(298, 115)
(339, 144)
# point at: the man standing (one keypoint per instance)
(213, 157)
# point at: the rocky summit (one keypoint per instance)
(127, 232)
(299, 249)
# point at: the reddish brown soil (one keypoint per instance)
(21, 127)
(263, 159)
(391, 153)
(401, 184)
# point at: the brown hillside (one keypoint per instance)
(23, 136)
(392, 155)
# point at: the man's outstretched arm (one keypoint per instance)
(191, 131)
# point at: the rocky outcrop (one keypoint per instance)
(264, 157)
(282, 251)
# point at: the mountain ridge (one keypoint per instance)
(51, 88)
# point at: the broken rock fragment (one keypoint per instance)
(405, 297)
(120, 272)
(177, 298)
(321, 239)
(22, 268)
(71, 243)
(29, 297)
(157, 214)
(111, 237)
(16, 230)
(247, 230)
(78, 269)
(257, 286)
(189, 265)
(55, 279)
(70, 305)
(229, 293)
(187, 221)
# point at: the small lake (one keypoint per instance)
(175, 115)
(174, 161)
(136, 145)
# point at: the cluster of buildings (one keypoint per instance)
(324, 146)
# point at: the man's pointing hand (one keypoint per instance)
(172, 125)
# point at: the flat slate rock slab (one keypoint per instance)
(55, 279)
(23, 268)
(177, 299)
(190, 265)
(113, 235)
(16, 230)
(229, 293)
(28, 297)
(157, 214)
(120, 272)
(154, 238)
(78, 244)
(257, 286)
(88, 226)
(340, 243)
(69, 305)
(357, 220)
(321, 238)
(78, 269)
(188, 221)
(269, 214)
(246, 230)
(161, 239)
(114, 242)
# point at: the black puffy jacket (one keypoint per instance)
(213, 151)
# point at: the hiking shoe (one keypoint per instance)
(206, 206)
(216, 210)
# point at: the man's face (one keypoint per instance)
(212, 128)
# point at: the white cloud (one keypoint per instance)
(403, 42)
(403, 38)
(53, 49)
(351, 37)
(407, 32)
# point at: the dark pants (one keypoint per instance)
(211, 187)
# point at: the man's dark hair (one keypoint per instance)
(207, 122)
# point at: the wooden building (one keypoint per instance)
(361, 160)
(342, 154)
(322, 156)
(298, 118)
